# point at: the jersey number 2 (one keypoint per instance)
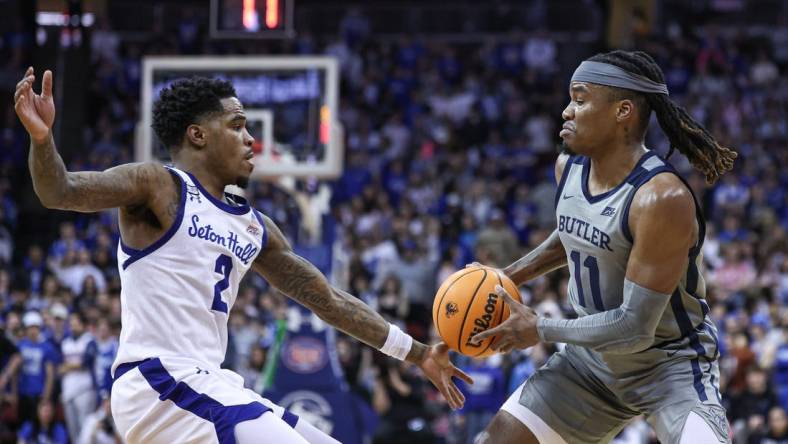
(593, 276)
(224, 265)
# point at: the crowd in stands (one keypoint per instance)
(449, 160)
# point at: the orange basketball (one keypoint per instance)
(466, 304)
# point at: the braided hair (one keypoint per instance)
(684, 133)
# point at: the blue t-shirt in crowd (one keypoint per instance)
(520, 372)
(781, 366)
(488, 390)
(105, 353)
(35, 356)
(55, 435)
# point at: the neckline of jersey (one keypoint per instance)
(224, 206)
(587, 172)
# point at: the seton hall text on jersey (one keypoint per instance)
(206, 232)
(584, 230)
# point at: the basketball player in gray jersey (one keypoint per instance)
(630, 230)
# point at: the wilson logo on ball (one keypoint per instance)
(451, 309)
(483, 323)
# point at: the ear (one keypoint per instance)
(625, 110)
(196, 135)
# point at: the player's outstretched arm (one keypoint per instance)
(548, 256)
(303, 282)
(121, 186)
(662, 220)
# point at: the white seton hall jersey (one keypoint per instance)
(177, 293)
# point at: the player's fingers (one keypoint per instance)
(23, 85)
(506, 348)
(441, 347)
(29, 71)
(46, 85)
(462, 375)
(448, 394)
(488, 333)
(28, 76)
(473, 264)
(18, 105)
(22, 97)
(506, 297)
(507, 345)
(459, 398)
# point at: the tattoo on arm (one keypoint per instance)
(48, 171)
(88, 191)
(298, 279)
(548, 256)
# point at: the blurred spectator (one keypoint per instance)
(393, 301)
(105, 349)
(483, 398)
(67, 242)
(43, 429)
(775, 431)
(497, 244)
(78, 393)
(252, 369)
(749, 409)
(75, 269)
(399, 400)
(10, 361)
(37, 377)
(99, 428)
(415, 271)
(35, 267)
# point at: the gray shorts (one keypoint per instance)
(577, 396)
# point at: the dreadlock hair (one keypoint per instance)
(684, 133)
(185, 102)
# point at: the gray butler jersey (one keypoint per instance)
(595, 233)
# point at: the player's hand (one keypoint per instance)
(440, 371)
(36, 111)
(518, 331)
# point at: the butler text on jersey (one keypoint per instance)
(584, 230)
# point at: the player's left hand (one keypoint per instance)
(440, 371)
(518, 331)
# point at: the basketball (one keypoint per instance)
(466, 304)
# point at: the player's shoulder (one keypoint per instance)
(560, 165)
(664, 197)
(151, 175)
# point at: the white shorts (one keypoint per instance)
(175, 400)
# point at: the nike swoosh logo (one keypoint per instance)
(567, 197)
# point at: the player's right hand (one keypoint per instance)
(518, 331)
(35, 111)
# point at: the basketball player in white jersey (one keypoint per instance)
(185, 246)
(631, 231)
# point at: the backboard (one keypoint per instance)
(291, 105)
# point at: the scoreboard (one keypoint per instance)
(254, 19)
